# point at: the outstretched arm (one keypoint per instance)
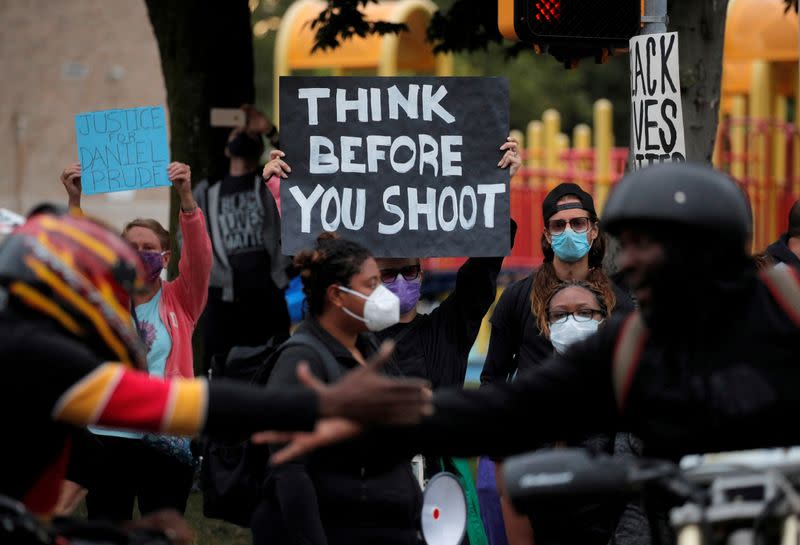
(194, 268)
(566, 397)
(81, 391)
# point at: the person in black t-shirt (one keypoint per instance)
(250, 274)
(436, 346)
(574, 247)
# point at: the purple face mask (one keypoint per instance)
(153, 263)
(405, 290)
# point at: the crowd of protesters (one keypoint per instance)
(234, 274)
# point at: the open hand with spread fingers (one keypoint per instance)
(361, 397)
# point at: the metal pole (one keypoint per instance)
(655, 21)
(654, 16)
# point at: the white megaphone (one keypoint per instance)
(444, 511)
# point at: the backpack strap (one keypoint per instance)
(333, 370)
(784, 285)
(627, 352)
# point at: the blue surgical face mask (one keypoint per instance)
(570, 246)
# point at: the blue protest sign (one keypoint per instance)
(122, 150)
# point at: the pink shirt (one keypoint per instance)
(274, 186)
(183, 299)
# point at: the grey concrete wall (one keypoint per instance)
(59, 58)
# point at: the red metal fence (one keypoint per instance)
(762, 155)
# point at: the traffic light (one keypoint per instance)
(571, 29)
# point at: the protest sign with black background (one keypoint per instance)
(405, 166)
(656, 112)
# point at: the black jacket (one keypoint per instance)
(723, 383)
(518, 346)
(42, 364)
(436, 346)
(330, 497)
(780, 252)
(714, 387)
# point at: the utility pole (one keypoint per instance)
(655, 19)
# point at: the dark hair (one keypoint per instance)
(542, 319)
(794, 220)
(334, 261)
(763, 261)
(153, 225)
(546, 277)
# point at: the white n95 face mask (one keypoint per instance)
(381, 310)
(565, 334)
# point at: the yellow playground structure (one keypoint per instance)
(391, 55)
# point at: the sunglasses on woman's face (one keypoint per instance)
(578, 225)
(409, 272)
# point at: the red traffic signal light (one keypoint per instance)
(546, 12)
(571, 28)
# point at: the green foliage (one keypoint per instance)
(539, 82)
(464, 25)
(343, 19)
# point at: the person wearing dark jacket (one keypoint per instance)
(787, 248)
(707, 363)
(250, 273)
(516, 343)
(575, 311)
(436, 346)
(574, 247)
(331, 499)
(74, 358)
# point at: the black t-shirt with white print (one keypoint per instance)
(241, 220)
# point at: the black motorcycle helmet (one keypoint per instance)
(701, 219)
(689, 199)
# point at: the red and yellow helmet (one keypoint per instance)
(81, 275)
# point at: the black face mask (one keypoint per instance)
(696, 283)
(245, 146)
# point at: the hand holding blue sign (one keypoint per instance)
(122, 150)
(178, 174)
(71, 178)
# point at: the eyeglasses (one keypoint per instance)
(409, 272)
(582, 315)
(579, 225)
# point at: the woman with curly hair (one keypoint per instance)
(573, 311)
(325, 498)
(574, 246)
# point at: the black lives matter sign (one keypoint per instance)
(405, 166)
(657, 117)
